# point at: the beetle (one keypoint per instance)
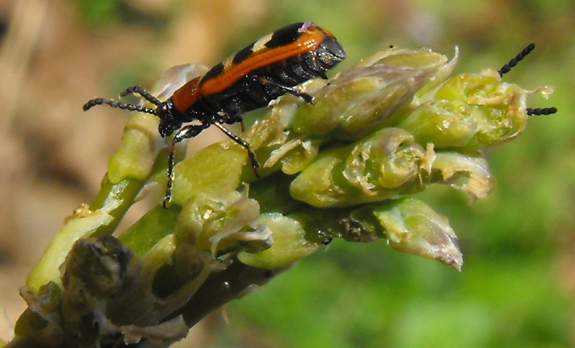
(248, 80)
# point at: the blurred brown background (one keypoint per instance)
(57, 54)
(52, 155)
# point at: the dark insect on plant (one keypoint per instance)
(259, 73)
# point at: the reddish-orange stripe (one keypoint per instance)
(186, 95)
(308, 42)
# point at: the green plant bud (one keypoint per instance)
(289, 243)
(374, 169)
(443, 123)
(269, 130)
(413, 227)
(226, 162)
(467, 173)
(469, 112)
(135, 157)
(354, 103)
(358, 101)
(295, 154)
(415, 59)
(220, 223)
(322, 225)
(406, 58)
(277, 144)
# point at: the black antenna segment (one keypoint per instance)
(513, 62)
(541, 111)
(126, 106)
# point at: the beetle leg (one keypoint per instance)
(291, 90)
(184, 133)
(242, 143)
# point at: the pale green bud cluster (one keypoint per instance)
(344, 167)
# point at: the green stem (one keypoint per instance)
(126, 191)
(222, 287)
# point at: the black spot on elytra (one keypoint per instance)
(244, 54)
(285, 36)
(213, 73)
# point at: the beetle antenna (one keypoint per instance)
(541, 111)
(513, 62)
(116, 104)
(142, 92)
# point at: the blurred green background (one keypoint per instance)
(518, 282)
